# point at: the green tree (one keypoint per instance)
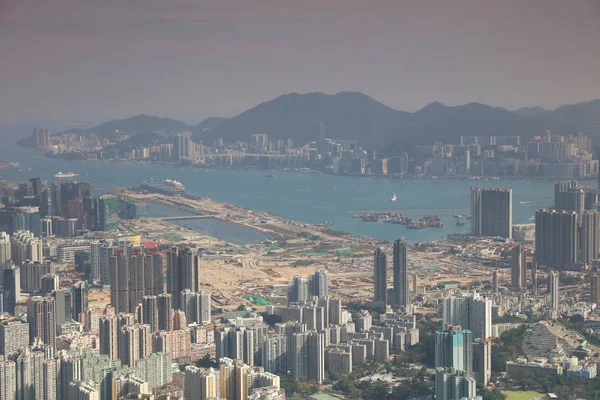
(204, 362)
(290, 385)
(312, 390)
(494, 394)
(507, 347)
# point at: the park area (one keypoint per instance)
(514, 395)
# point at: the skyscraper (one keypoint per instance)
(182, 272)
(482, 360)
(334, 313)
(51, 375)
(105, 252)
(414, 285)
(41, 318)
(518, 273)
(453, 385)
(454, 349)
(200, 383)
(46, 208)
(491, 212)
(165, 312)
(80, 300)
(14, 335)
(30, 374)
(534, 282)
(109, 336)
(553, 288)
(556, 238)
(12, 287)
(31, 275)
(150, 312)
(471, 312)
(49, 284)
(42, 137)
(134, 343)
(127, 280)
(565, 195)
(380, 277)
(183, 146)
(187, 304)
(306, 356)
(91, 211)
(298, 290)
(27, 219)
(595, 288)
(196, 306)
(236, 343)
(173, 274)
(190, 263)
(318, 284)
(5, 254)
(8, 380)
(63, 304)
(321, 142)
(495, 281)
(274, 354)
(153, 273)
(108, 215)
(400, 274)
(26, 247)
(590, 236)
(55, 199)
(203, 307)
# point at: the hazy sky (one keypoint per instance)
(188, 59)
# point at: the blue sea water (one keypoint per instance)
(215, 227)
(301, 196)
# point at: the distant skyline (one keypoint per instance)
(83, 60)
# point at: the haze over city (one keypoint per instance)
(299, 200)
(73, 60)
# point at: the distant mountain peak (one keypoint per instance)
(589, 103)
(475, 105)
(140, 123)
(433, 106)
(347, 115)
(533, 111)
(350, 115)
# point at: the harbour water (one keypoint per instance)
(230, 232)
(313, 198)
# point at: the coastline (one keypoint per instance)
(308, 171)
(273, 227)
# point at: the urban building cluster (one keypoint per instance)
(63, 209)
(159, 332)
(159, 323)
(548, 156)
(566, 236)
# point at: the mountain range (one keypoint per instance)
(356, 116)
(139, 123)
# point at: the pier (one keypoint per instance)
(185, 217)
(441, 210)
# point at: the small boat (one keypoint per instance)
(393, 197)
(270, 176)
